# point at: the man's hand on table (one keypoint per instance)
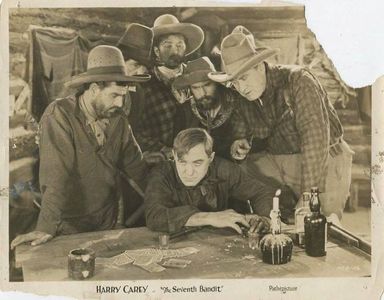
(220, 219)
(232, 219)
(35, 237)
(258, 224)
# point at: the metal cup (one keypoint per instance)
(81, 263)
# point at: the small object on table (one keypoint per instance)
(163, 241)
(176, 263)
(276, 248)
(253, 240)
(300, 214)
(81, 263)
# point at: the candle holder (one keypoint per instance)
(276, 248)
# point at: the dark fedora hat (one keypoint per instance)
(195, 71)
(105, 63)
(136, 43)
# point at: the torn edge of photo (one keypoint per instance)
(102, 197)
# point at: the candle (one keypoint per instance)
(275, 203)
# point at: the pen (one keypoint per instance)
(250, 207)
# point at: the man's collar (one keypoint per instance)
(222, 112)
(268, 83)
(167, 75)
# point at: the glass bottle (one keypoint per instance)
(300, 214)
(315, 227)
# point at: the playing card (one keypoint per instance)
(152, 268)
(122, 259)
(176, 263)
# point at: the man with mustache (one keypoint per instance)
(211, 104)
(85, 142)
(162, 117)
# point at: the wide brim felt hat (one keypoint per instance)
(195, 71)
(169, 24)
(105, 63)
(136, 43)
(238, 55)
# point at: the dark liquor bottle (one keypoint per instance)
(315, 227)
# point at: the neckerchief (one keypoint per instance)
(223, 114)
(98, 126)
(167, 76)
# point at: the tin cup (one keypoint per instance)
(81, 263)
(163, 241)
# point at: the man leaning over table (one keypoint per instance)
(289, 108)
(195, 189)
(85, 141)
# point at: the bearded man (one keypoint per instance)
(211, 104)
(162, 117)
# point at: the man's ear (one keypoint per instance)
(174, 154)
(94, 87)
(212, 157)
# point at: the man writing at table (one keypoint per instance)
(83, 138)
(195, 189)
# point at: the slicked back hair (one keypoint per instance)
(191, 137)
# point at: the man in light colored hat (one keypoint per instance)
(196, 188)
(211, 104)
(85, 142)
(161, 119)
(289, 108)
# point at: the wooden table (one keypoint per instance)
(222, 254)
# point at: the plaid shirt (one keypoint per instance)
(161, 116)
(295, 116)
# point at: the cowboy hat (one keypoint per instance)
(105, 63)
(136, 43)
(169, 24)
(238, 55)
(195, 71)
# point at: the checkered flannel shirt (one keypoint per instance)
(295, 116)
(157, 126)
